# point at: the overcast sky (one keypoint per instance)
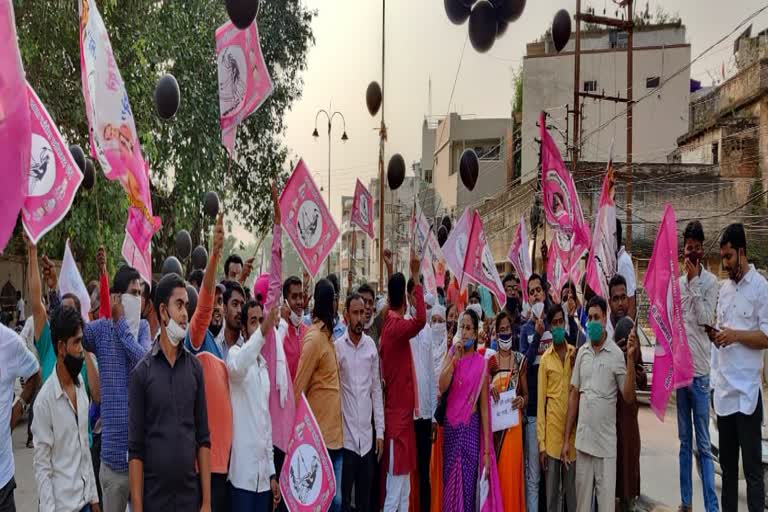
(422, 43)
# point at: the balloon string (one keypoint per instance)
(98, 212)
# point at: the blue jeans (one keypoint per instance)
(249, 501)
(693, 403)
(532, 465)
(337, 460)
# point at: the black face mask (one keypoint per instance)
(215, 329)
(74, 365)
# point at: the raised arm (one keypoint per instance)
(35, 289)
(628, 387)
(241, 359)
(276, 262)
(105, 308)
(204, 311)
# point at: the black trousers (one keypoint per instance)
(742, 432)
(279, 461)
(357, 473)
(7, 503)
(423, 430)
(220, 493)
(96, 461)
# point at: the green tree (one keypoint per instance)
(185, 155)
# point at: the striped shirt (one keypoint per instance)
(117, 352)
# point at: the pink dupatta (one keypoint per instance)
(465, 390)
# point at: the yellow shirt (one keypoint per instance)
(552, 407)
(318, 378)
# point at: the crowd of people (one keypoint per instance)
(179, 395)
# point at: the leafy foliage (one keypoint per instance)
(186, 159)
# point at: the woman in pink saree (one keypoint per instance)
(467, 448)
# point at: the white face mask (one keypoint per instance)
(132, 312)
(439, 332)
(505, 344)
(175, 332)
(295, 319)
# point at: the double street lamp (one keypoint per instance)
(344, 138)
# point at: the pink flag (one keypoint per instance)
(479, 264)
(672, 364)
(601, 265)
(520, 258)
(244, 82)
(306, 219)
(563, 261)
(438, 261)
(307, 482)
(362, 207)
(53, 175)
(114, 141)
(15, 130)
(561, 202)
(455, 247)
(136, 258)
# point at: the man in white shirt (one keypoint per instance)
(741, 335)
(252, 466)
(62, 460)
(626, 269)
(15, 362)
(698, 295)
(20, 310)
(361, 398)
(426, 388)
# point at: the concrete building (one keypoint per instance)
(442, 146)
(660, 56)
(355, 247)
(398, 208)
(727, 123)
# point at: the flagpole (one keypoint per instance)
(382, 138)
(466, 251)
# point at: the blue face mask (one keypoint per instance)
(469, 344)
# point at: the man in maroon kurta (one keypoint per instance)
(400, 387)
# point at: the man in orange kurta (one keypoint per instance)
(400, 387)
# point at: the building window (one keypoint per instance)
(715, 153)
(590, 86)
(652, 82)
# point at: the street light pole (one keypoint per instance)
(344, 138)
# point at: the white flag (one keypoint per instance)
(71, 282)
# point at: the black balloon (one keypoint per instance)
(78, 155)
(242, 12)
(509, 10)
(89, 175)
(447, 223)
(396, 171)
(199, 258)
(167, 97)
(457, 11)
(183, 244)
(469, 168)
(192, 296)
(442, 235)
(482, 26)
(373, 98)
(172, 265)
(561, 29)
(623, 328)
(501, 28)
(211, 204)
